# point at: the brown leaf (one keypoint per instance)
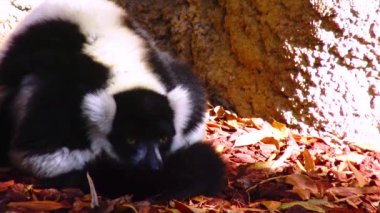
(5, 185)
(358, 175)
(302, 185)
(352, 191)
(183, 208)
(309, 161)
(272, 140)
(39, 205)
(312, 205)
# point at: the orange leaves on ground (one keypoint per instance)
(5, 185)
(39, 205)
(269, 168)
(274, 164)
(303, 185)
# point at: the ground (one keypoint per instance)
(270, 169)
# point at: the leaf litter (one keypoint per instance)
(269, 169)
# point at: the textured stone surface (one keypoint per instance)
(11, 12)
(313, 64)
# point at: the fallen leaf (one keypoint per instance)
(39, 205)
(126, 208)
(272, 140)
(272, 206)
(352, 157)
(280, 130)
(358, 175)
(309, 161)
(304, 194)
(183, 208)
(287, 153)
(302, 185)
(312, 205)
(261, 165)
(5, 185)
(251, 138)
(219, 111)
(300, 166)
(353, 191)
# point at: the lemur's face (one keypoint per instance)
(143, 128)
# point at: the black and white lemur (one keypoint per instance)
(82, 88)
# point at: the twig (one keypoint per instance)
(94, 194)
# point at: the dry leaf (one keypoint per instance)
(252, 137)
(312, 205)
(272, 140)
(272, 206)
(358, 175)
(39, 205)
(280, 131)
(5, 185)
(353, 191)
(352, 157)
(287, 153)
(260, 165)
(302, 185)
(300, 166)
(183, 208)
(309, 161)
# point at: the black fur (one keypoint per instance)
(189, 172)
(52, 53)
(144, 116)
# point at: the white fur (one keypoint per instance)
(109, 42)
(99, 109)
(180, 103)
(197, 134)
(59, 162)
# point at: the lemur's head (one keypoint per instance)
(143, 128)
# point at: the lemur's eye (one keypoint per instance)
(131, 141)
(164, 140)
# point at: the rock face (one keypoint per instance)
(313, 64)
(11, 12)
